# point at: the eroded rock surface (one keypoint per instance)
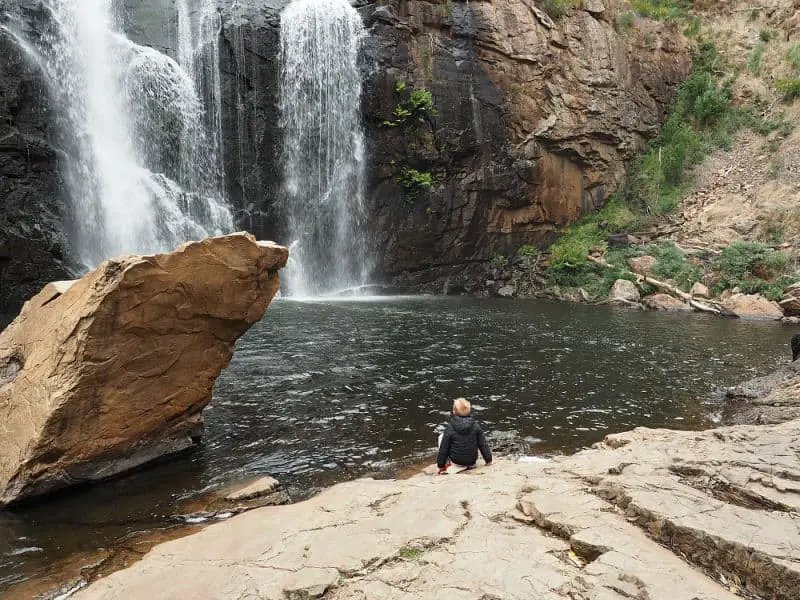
(111, 371)
(652, 514)
(774, 398)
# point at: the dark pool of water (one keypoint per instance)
(325, 391)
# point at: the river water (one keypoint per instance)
(320, 392)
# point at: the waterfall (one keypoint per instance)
(140, 142)
(323, 146)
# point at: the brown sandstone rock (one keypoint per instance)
(665, 302)
(699, 291)
(114, 370)
(753, 306)
(790, 306)
(642, 265)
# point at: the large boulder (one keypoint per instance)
(624, 291)
(790, 305)
(699, 291)
(753, 306)
(103, 374)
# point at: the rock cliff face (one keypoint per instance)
(536, 120)
(103, 374)
(33, 244)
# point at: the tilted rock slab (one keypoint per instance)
(106, 373)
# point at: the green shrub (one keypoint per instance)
(618, 217)
(754, 268)
(673, 263)
(754, 58)
(528, 253)
(701, 120)
(414, 182)
(500, 261)
(742, 260)
(624, 22)
(790, 88)
(793, 56)
(765, 35)
(660, 10)
(573, 248)
(693, 27)
(415, 106)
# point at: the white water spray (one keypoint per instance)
(323, 146)
(141, 166)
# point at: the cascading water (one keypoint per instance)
(140, 165)
(323, 146)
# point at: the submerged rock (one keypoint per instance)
(753, 306)
(104, 374)
(666, 303)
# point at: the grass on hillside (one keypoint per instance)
(702, 120)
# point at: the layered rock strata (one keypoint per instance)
(653, 514)
(103, 374)
(536, 120)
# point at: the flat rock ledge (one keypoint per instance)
(646, 515)
(103, 374)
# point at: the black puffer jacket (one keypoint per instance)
(461, 442)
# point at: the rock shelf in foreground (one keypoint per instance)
(648, 515)
(106, 373)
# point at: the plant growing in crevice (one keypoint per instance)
(445, 9)
(624, 22)
(793, 56)
(414, 182)
(415, 106)
(558, 8)
(754, 59)
(789, 88)
(500, 261)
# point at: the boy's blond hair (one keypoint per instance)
(461, 407)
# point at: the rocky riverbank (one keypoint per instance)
(651, 514)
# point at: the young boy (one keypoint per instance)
(462, 439)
